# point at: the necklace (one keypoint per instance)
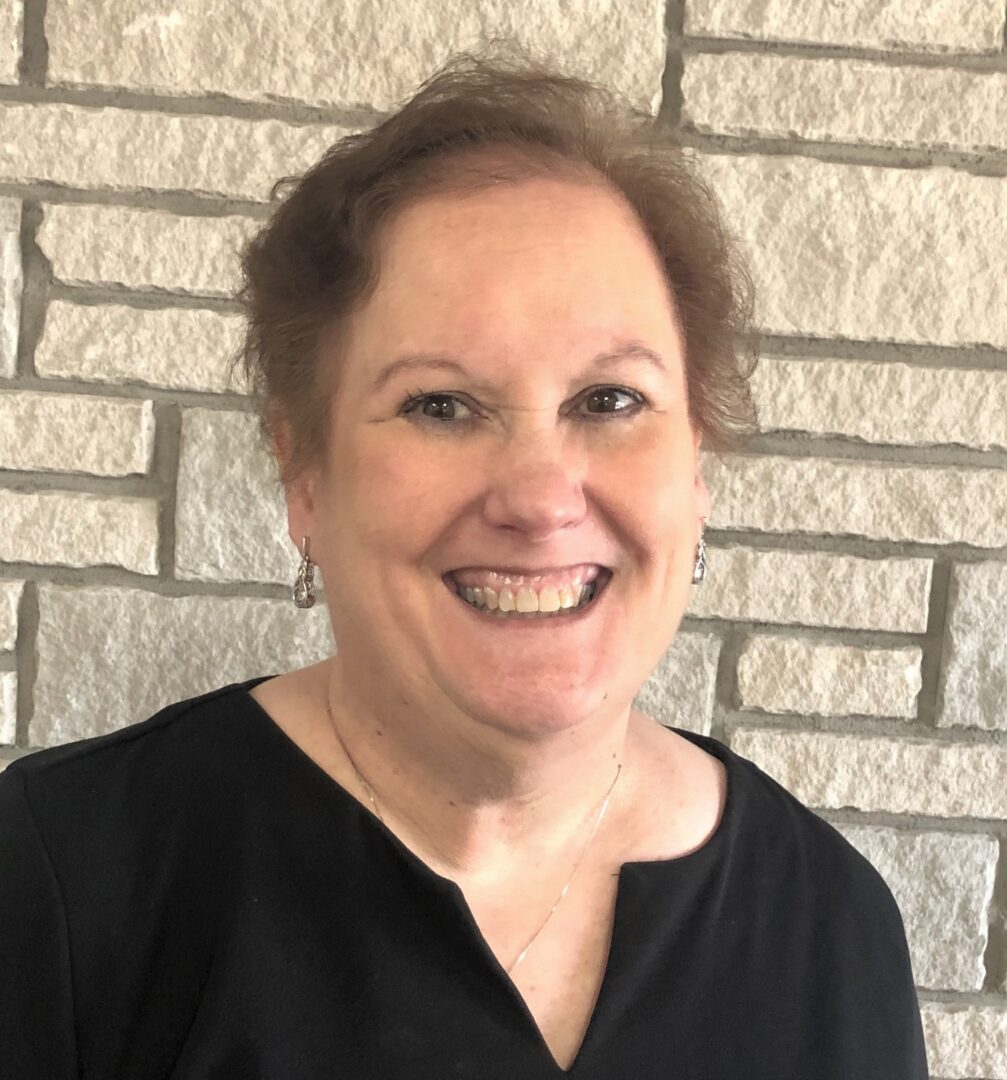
(601, 814)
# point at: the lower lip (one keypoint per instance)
(488, 618)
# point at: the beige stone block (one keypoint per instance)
(973, 690)
(813, 589)
(267, 52)
(230, 514)
(11, 283)
(681, 690)
(73, 528)
(861, 251)
(882, 501)
(924, 25)
(8, 706)
(10, 601)
(965, 1041)
(812, 678)
(923, 406)
(82, 146)
(902, 775)
(178, 348)
(850, 101)
(108, 657)
(943, 884)
(11, 28)
(75, 433)
(145, 249)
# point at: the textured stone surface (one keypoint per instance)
(11, 283)
(929, 505)
(11, 21)
(845, 100)
(943, 884)
(10, 598)
(784, 675)
(973, 689)
(144, 249)
(939, 26)
(230, 515)
(899, 775)
(108, 657)
(922, 406)
(965, 1041)
(270, 51)
(680, 691)
(112, 343)
(8, 706)
(862, 251)
(75, 433)
(813, 589)
(71, 528)
(98, 147)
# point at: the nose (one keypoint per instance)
(536, 485)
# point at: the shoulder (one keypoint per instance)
(780, 840)
(127, 775)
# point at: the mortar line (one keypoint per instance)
(26, 653)
(35, 277)
(974, 62)
(936, 644)
(34, 47)
(995, 954)
(178, 202)
(221, 105)
(168, 420)
(978, 163)
(876, 727)
(671, 78)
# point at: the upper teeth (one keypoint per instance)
(525, 599)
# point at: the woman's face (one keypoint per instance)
(534, 456)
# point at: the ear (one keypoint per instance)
(299, 492)
(703, 504)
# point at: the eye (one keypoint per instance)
(431, 407)
(608, 393)
(437, 409)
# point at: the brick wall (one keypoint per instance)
(850, 635)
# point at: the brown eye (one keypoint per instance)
(609, 395)
(440, 410)
(437, 410)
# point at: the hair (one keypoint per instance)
(496, 116)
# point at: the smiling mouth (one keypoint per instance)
(588, 597)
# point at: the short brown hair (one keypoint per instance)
(314, 263)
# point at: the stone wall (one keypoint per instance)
(850, 635)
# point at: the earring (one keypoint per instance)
(304, 587)
(700, 569)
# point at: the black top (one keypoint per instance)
(193, 897)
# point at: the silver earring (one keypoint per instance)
(699, 572)
(304, 587)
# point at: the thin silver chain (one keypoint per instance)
(601, 814)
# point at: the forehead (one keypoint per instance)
(503, 261)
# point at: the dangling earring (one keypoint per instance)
(699, 572)
(304, 587)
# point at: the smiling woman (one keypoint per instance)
(486, 340)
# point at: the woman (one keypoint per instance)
(486, 340)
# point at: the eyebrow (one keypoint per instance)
(624, 350)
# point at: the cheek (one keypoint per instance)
(657, 465)
(403, 482)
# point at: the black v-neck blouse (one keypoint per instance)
(193, 897)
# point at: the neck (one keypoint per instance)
(475, 800)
